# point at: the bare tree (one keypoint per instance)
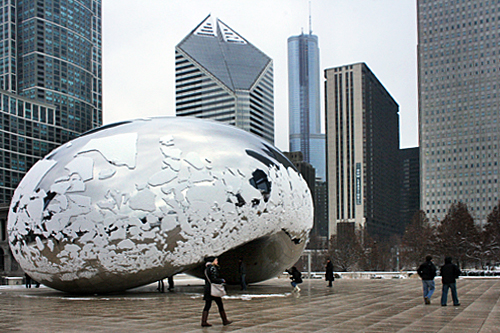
(345, 252)
(418, 241)
(377, 255)
(457, 235)
(491, 236)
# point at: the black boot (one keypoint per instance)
(224, 318)
(204, 318)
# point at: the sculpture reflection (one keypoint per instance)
(135, 202)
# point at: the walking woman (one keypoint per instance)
(212, 276)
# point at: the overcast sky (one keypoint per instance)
(139, 39)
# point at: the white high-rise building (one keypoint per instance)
(219, 75)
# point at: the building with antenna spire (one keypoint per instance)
(219, 75)
(305, 115)
(304, 100)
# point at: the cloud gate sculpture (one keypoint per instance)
(130, 203)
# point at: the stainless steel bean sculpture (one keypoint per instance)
(133, 202)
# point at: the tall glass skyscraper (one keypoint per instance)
(219, 75)
(459, 101)
(50, 80)
(304, 101)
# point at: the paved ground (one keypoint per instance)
(390, 305)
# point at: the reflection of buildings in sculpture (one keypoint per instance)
(319, 190)
(50, 81)
(362, 151)
(219, 75)
(304, 101)
(458, 101)
(306, 169)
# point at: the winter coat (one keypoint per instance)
(427, 271)
(450, 272)
(329, 272)
(213, 274)
(296, 276)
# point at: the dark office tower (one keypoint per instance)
(304, 101)
(50, 80)
(410, 185)
(219, 75)
(362, 130)
(459, 101)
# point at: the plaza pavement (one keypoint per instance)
(352, 305)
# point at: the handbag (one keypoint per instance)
(216, 289)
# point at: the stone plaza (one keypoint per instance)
(352, 305)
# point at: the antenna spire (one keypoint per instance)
(310, 21)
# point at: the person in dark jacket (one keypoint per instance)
(427, 271)
(296, 277)
(329, 273)
(212, 272)
(450, 272)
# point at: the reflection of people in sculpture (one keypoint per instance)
(212, 274)
(242, 268)
(171, 283)
(28, 280)
(161, 286)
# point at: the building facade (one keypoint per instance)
(304, 101)
(219, 75)
(459, 99)
(410, 185)
(50, 88)
(50, 80)
(362, 128)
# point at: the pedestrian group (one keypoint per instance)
(449, 273)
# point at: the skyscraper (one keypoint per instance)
(304, 101)
(410, 185)
(362, 129)
(459, 99)
(50, 80)
(219, 75)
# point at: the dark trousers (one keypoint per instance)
(218, 301)
(454, 296)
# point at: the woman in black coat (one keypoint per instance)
(212, 272)
(329, 273)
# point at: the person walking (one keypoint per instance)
(450, 273)
(296, 278)
(427, 271)
(212, 276)
(329, 273)
(242, 268)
